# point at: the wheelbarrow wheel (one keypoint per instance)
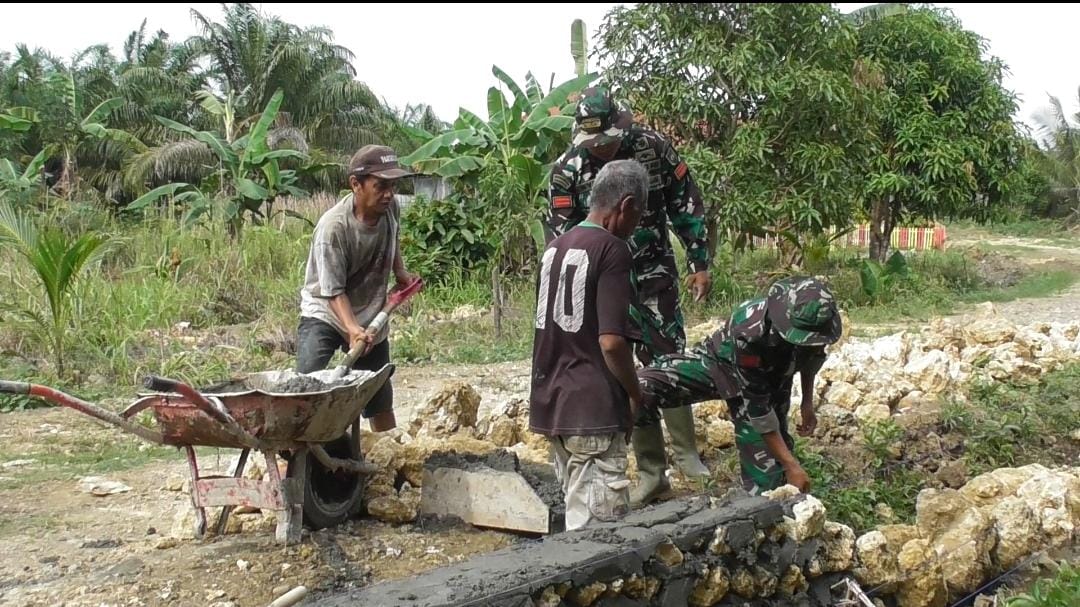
(330, 498)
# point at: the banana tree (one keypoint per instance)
(248, 182)
(579, 47)
(505, 160)
(76, 130)
(15, 182)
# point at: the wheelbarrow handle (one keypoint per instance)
(160, 384)
(14, 387)
(66, 400)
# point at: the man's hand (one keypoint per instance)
(635, 412)
(405, 278)
(360, 335)
(699, 285)
(795, 475)
(809, 420)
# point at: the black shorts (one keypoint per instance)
(315, 345)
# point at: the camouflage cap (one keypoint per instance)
(803, 311)
(598, 120)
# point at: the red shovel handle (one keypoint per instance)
(404, 294)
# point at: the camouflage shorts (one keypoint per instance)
(676, 380)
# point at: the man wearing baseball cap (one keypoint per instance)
(751, 363)
(604, 131)
(353, 251)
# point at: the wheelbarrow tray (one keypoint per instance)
(279, 420)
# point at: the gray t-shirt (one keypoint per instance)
(351, 257)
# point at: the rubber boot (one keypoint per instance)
(652, 484)
(680, 425)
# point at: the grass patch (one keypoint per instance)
(1042, 284)
(1007, 425)
(1029, 228)
(1062, 590)
(852, 494)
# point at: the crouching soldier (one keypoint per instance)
(750, 363)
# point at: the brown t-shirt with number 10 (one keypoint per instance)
(584, 291)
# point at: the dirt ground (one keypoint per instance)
(62, 546)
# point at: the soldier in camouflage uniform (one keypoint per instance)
(751, 363)
(604, 131)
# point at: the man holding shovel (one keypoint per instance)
(353, 251)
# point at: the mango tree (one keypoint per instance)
(504, 160)
(944, 141)
(765, 101)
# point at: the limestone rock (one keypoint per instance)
(451, 409)
(1055, 496)
(964, 548)
(586, 595)
(669, 554)
(837, 550)
(877, 563)
(869, 414)
(843, 395)
(929, 371)
(710, 588)
(809, 519)
(720, 434)
(396, 509)
(936, 510)
(793, 582)
(1019, 531)
(921, 582)
(743, 584)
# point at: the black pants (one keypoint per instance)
(316, 343)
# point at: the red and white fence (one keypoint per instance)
(903, 239)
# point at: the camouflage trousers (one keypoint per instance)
(676, 380)
(661, 323)
(592, 472)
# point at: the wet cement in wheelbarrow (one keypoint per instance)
(290, 382)
(539, 476)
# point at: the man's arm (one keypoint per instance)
(757, 398)
(619, 358)
(614, 296)
(565, 208)
(686, 212)
(342, 308)
(808, 369)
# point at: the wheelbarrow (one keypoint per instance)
(250, 417)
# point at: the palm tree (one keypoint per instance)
(1060, 160)
(252, 55)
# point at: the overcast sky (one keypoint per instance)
(442, 54)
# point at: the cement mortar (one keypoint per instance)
(612, 553)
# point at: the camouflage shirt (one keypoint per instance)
(764, 362)
(673, 196)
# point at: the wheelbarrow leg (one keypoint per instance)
(227, 510)
(290, 520)
(200, 512)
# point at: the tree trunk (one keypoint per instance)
(882, 221)
(67, 178)
(496, 295)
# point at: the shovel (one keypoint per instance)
(396, 299)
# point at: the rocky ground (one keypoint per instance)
(122, 537)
